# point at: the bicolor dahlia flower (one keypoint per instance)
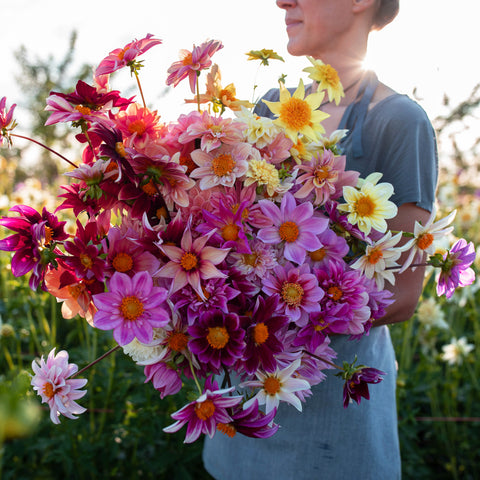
(205, 413)
(53, 383)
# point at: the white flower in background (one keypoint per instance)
(456, 351)
(431, 315)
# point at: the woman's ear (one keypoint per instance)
(359, 6)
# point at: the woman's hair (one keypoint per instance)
(386, 12)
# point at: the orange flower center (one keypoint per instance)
(177, 341)
(138, 127)
(122, 262)
(190, 164)
(75, 290)
(272, 385)
(223, 165)
(205, 409)
(424, 241)
(187, 59)
(48, 235)
(292, 294)
(296, 114)
(288, 231)
(189, 261)
(86, 261)
(335, 293)
(217, 337)
(131, 307)
(149, 188)
(227, 95)
(260, 333)
(161, 213)
(364, 206)
(48, 390)
(230, 232)
(322, 173)
(317, 255)
(329, 75)
(375, 256)
(83, 110)
(227, 429)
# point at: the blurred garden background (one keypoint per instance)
(120, 436)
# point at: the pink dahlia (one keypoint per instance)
(7, 123)
(295, 226)
(325, 177)
(164, 378)
(298, 289)
(52, 383)
(121, 57)
(191, 63)
(205, 413)
(132, 307)
(192, 262)
(455, 269)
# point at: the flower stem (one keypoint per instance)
(198, 92)
(44, 146)
(324, 360)
(140, 88)
(106, 354)
(195, 377)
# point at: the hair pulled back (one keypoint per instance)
(386, 12)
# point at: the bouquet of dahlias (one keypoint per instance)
(217, 246)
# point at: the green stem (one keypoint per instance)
(198, 92)
(195, 377)
(44, 146)
(91, 364)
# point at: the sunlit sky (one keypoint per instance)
(431, 46)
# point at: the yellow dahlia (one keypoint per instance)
(368, 205)
(298, 114)
(264, 55)
(327, 78)
(262, 173)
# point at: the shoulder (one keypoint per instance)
(273, 95)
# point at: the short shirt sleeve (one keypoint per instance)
(399, 141)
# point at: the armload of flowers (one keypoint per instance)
(217, 246)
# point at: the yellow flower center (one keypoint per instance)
(120, 149)
(86, 261)
(424, 241)
(177, 341)
(317, 255)
(187, 59)
(223, 165)
(161, 213)
(288, 231)
(272, 385)
(227, 429)
(364, 207)
(292, 294)
(189, 261)
(260, 333)
(138, 127)
(250, 259)
(375, 256)
(217, 337)
(131, 307)
(122, 262)
(296, 114)
(230, 232)
(227, 95)
(205, 409)
(83, 110)
(335, 293)
(48, 390)
(322, 174)
(329, 75)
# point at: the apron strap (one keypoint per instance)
(356, 112)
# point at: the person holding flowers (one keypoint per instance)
(386, 133)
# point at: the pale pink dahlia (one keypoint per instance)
(52, 383)
(132, 307)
